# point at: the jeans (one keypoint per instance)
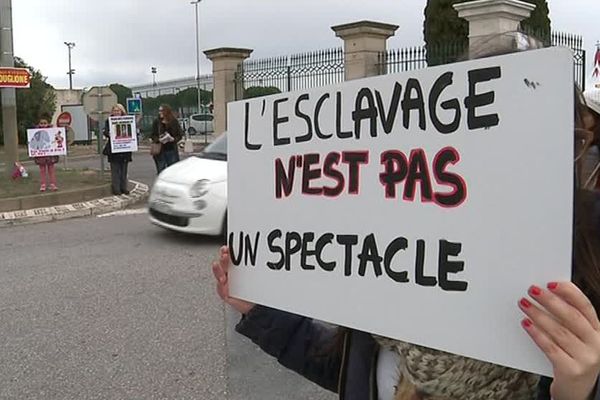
(118, 175)
(166, 158)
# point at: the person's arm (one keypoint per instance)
(175, 131)
(298, 343)
(106, 130)
(155, 131)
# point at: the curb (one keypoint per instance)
(84, 209)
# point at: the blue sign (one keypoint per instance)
(134, 106)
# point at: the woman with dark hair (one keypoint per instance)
(561, 318)
(166, 133)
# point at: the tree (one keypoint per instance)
(446, 35)
(122, 92)
(258, 91)
(32, 103)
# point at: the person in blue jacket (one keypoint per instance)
(561, 318)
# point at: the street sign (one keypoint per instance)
(134, 105)
(98, 101)
(15, 78)
(64, 120)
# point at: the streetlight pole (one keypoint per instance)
(70, 45)
(153, 70)
(195, 3)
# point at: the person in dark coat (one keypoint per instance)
(166, 131)
(119, 162)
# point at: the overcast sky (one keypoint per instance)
(119, 40)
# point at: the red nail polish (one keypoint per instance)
(525, 303)
(535, 291)
(526, 323)
(552, 285)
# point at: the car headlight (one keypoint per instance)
(199, 188)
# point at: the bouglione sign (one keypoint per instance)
(418, 206)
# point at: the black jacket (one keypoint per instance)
(107, 151)
(310, 349)
(174, 129)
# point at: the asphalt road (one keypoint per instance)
(115, 308)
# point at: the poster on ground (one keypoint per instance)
(123, 134)
(418, 206)
(43, 142)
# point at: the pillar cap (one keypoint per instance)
(370, 28)
(491, 9)
(228, 52)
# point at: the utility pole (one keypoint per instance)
(9, 97)
(70, 45)
(154, 70)
(195, 3)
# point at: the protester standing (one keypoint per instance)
(46, 163)
(118, 161)
(166, 134)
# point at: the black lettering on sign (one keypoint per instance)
(246, 248)
(309, 128)
(475, 100)
(354, 159)
(369, 255)
(338, 118)
(421, 278)
(449, 156)
(273, 235)
(316, 119)
(450, 267)
(247, 143)
(395, 171)
(307, 238)
(438, 87)
(418, 171)
(411, 102)
(277, 120)
(347, 241)
(369, 113)
(323, 241)
(293, 244)
(393, 248)
(388, 119)
(284, 182)
(309, 174)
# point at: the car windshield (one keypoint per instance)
(217, 150)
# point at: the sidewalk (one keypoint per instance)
(94, 207)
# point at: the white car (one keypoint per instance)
(200, 123)
(191, 195)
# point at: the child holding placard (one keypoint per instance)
(46, 163)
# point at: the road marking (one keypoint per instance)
(135, 211)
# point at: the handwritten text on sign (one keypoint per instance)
(409, 205)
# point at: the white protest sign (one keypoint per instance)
(123, 136)
(419, 206)
(44, 142)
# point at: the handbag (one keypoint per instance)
(155, 148)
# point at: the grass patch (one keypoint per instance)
(66, 180)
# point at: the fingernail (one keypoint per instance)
(525, 303)
(527, 323)
(552, 285)
(535, 291)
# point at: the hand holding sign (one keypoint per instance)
(569, 334)
(220, 270)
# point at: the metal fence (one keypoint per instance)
(286, 73)
(411, 58)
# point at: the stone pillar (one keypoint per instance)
(363, 42)
(226, 62)
(488, 18)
